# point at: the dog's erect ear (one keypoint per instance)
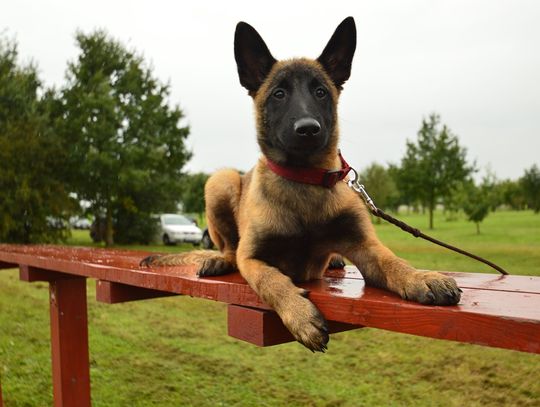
(253, 58)
(338, 54)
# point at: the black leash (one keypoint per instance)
(354, 184)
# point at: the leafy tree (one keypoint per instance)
(380, 185)
(530, 183)
(132, 226)
(126, 143)
(454, 201)
(193, 192)
(34, 203)
(511, 194)
(477, 204)
(400, 197)
(434, 165)
(490, 187)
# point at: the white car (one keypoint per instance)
(178, 228)
(79, 223)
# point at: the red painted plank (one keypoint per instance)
(482, 317)
(507, 310)
(54, 256)
(69, 343)
(113, 293)
(264, 328)
(1, 402)
(507, 304)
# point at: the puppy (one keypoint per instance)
(286, 220)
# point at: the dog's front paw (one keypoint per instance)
(432, 288)
(306, 323)
(216, 266)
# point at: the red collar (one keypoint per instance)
(315, 176)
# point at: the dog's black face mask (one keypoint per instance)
(298, 111)
(295, 100)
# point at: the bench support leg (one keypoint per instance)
(69, 342)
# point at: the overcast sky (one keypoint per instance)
(477, 63)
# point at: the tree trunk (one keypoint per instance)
(477, 228)
(431, 208)
(109, 241)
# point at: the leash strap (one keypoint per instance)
(361, 190)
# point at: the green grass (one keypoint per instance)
(175, 351)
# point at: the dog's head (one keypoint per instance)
(295, 100)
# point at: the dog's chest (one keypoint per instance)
(307, 245)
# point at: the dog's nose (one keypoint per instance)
(307, 126)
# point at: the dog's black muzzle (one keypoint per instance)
(306, 135)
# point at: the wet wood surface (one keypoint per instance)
(69, 342)
(495, 310)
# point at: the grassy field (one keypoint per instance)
(175, 351)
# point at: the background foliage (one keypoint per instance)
(34, 201)
(433, 166)
(127, 148)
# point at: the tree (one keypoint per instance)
(434, 166)
(34, 203)
(380, 185)
(491, 193)
(401, 195)
(511, 194)
(490, 187)
(193, 192)
(454, 201)
(530, 184)
(126, 143)
(477, 202)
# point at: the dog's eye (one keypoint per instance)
(320, 92)
(279, 94)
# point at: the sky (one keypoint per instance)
(476, 63)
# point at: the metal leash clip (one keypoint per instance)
(361, 190)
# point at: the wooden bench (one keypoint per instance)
(499, 311)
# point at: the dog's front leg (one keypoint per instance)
(298, 314)
(382, 268)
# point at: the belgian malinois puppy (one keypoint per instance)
(277, 231)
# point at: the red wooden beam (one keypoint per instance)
(113, 293)
(69, 334)
(264, 328)
(494, 310)
(31, 274)
(69, 343)
(491, 318)
(1, 402)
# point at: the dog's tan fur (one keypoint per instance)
(243, 209)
